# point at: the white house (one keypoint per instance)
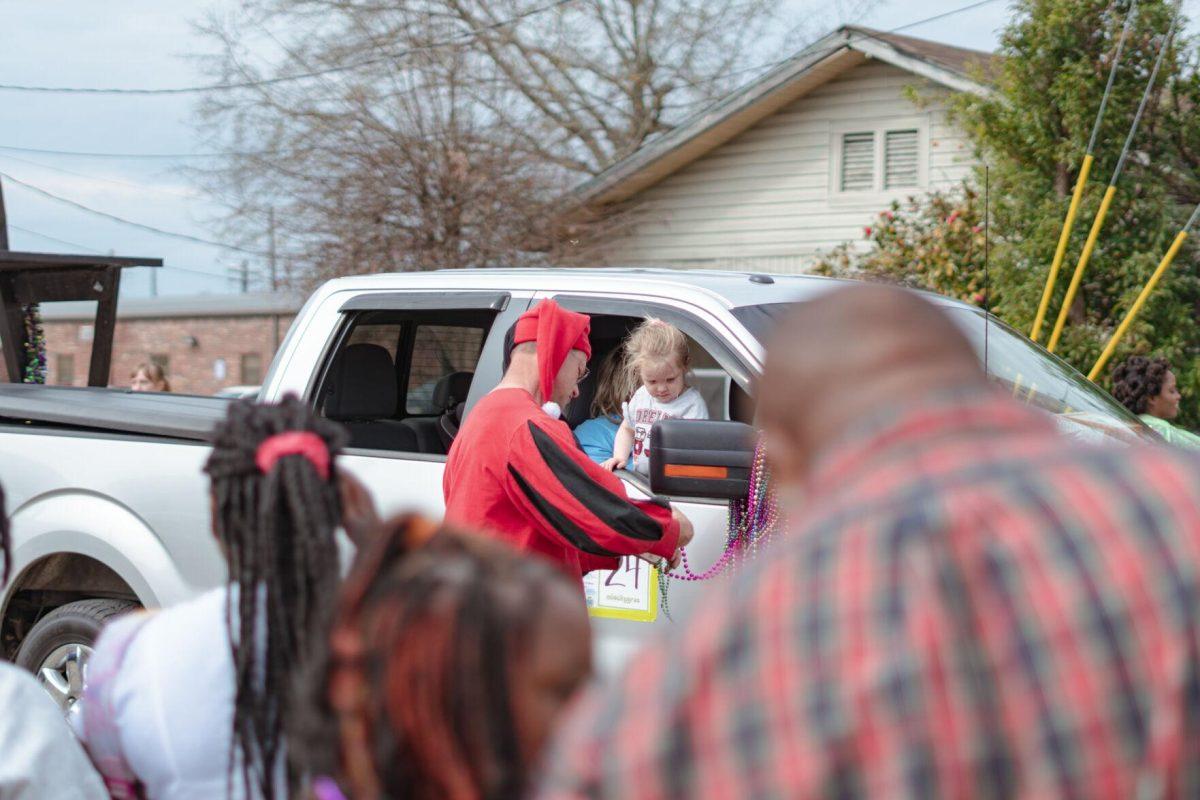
(798, 161)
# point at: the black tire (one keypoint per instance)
(74, 623)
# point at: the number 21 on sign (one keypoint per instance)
(629, 592)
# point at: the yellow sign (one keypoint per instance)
(629, 592)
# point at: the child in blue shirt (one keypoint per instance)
(613, 387)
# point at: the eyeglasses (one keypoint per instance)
(584, 376)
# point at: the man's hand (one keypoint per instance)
(686, 534)
(358, 508)
(613, 464)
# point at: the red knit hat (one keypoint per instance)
(557, 332)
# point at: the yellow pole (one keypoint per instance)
(1063, 238)
(1084, 257)
(1111, 347)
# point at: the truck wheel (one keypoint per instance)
(57, 648)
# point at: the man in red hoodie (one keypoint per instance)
(515, 470)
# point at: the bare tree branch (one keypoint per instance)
(455, 124)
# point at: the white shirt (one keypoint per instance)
(39, 757)
(173, 700)
(642, 411)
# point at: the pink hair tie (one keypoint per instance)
(293, 443)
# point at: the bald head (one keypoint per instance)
(850, 354)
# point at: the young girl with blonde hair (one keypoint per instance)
(658, 357)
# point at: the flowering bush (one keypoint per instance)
(1030, 130)
(934, 242)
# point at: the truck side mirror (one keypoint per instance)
(701, 458)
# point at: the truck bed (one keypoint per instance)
(168, 415)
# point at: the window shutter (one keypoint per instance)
(900, 159)
(858, 162)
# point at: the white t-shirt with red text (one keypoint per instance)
(642, 411)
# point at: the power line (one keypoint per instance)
(170, 156)
(94, 251)
(865, 34)
(56, 240)
(114, 181)
(943, 15)
(465, 36)
(263, 153)
(191, 271)
(113, 217)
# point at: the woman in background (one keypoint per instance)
(149, 378)
(1147, 387)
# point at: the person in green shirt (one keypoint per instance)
(1147, 387)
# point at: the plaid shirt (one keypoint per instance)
(971, 606)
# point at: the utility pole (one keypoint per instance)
(241, 274)
(3, 220)
(271, 248)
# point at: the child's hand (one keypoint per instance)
(613, 464)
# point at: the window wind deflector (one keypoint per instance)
(680, 319)
(427, 301)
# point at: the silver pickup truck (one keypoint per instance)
(109, 505)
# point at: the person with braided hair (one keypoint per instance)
(189, 702)
(1147, 387)
(448, 661)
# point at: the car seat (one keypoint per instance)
(447, 394)
(362, 395)
(451, 395)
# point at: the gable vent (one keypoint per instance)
(858, 162)
(900, 159)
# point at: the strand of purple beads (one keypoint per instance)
(751, 520)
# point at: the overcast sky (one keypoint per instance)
(149, 43)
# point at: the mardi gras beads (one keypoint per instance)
(752, 521)
(35, 346)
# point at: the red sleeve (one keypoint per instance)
(588, 563)
(578, 502)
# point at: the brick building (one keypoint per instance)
(204, 343)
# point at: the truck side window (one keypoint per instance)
(438, 351)
(384, 334)
(400, 379)
(723, 396)
(710, 380)
(708, 376)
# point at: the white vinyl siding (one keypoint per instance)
(901, 159)
(858, 162)
(769, 199)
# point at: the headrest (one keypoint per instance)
(452, 390)
(364, 384)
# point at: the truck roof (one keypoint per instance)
(731, 288)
